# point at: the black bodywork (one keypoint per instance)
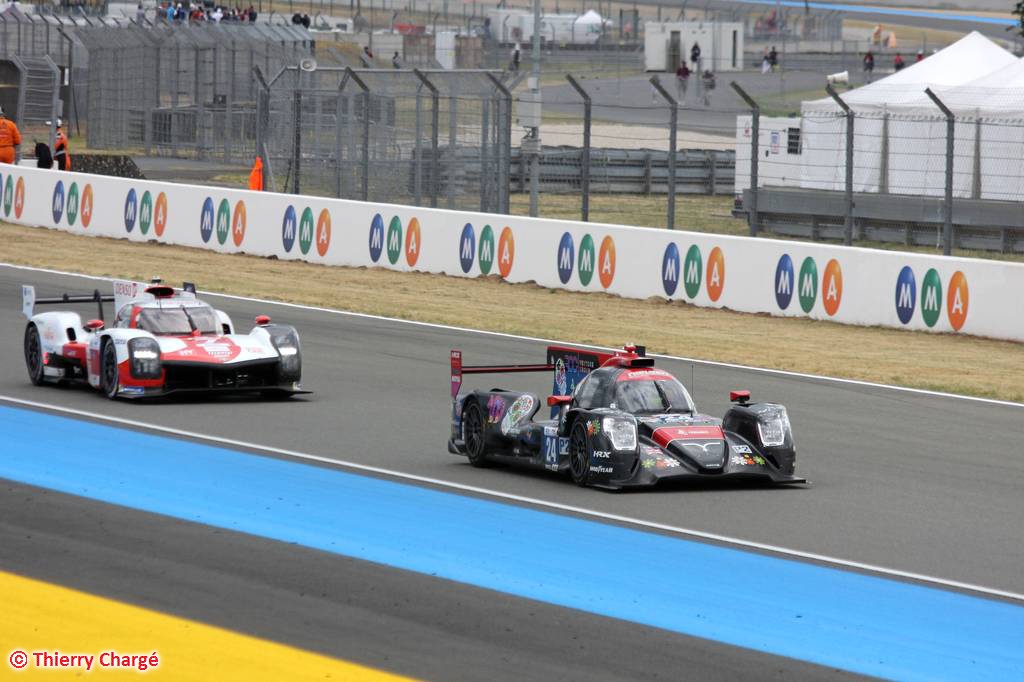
(616, 421)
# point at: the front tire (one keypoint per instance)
(473, 434)
(579, 454)
(109, 380)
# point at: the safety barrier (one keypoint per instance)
(795, 279)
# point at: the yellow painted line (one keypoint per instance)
(38, 617)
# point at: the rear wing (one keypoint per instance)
(29, 300)
(124, 291)
(569, 366)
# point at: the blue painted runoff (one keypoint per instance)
(837, 618)
(890, 11)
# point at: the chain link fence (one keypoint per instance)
(186, 91)
(951, 179)
(425, 137)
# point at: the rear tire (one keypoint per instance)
(473, 434)
(109, 380)
(579, 454)
(33, 354)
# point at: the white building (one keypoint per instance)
(667, 44)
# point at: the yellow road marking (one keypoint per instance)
(40, 617)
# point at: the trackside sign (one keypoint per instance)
(793, 279)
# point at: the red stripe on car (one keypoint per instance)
(667, 434)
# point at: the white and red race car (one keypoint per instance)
(163, 340)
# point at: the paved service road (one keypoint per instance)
(918, 483)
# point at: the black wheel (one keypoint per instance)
(33, 354)
(473, 434)
(579, 454)
(108, 369)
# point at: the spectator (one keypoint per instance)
(897, 62)
(869, 64)
(920, 55)
(297, 19)
(766, 62)
(695, 56)
(140, 14)
(368, 53)
(43, 157)
(515, 58)
(217, 15)
(396, 62)
(60, 147)
(305, 21)
(170, 13)
(10, 139)
(252, 14)
(707, 80)
(773, 59)
(682, 80)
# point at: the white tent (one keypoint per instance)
(898, 153)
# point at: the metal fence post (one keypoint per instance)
(673, 121)
(365, 187)
(435, 115)
(503, 155)
(947, 205)
(585, 159)
(755, 156)
(848, 226)
(262, 123)
(297, 140)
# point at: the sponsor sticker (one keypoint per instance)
(394, 243)
(832, 286)
(323, 232)
(506, 252)
(289, 226)
(58, 202)
(159, 217)
(223, 221)
(906, 294)
(606, 261)
(692, 271)
(957, 300)
(586, 260)
(238, 224)
(72, 206)
(145, 212)
(467, 247)
(518, 411)
(565, 257)
(205, 219)
(716, 274)
(670, 269)
(784, 281)
(306, 230)
(413, 242)
(808, 284)
(741, 449)
(376, 241)
(486, 251)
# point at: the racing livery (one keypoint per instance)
(617, 421)
(163, 340)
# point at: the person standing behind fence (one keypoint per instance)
(140, 14)
(773, 59)
(10, 139)
(60, 149)
(516, 56)
(869, 64)
(682, 80)
(707, 81)
(897, 62)
(766, 62)
(695, 56)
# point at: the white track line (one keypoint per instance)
(517, 337)
(582, 511)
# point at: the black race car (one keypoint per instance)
(617, 421)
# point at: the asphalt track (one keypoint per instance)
(917, 483)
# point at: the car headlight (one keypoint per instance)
(773, 427)
(144, 358)
(621, 432)
(286, 341)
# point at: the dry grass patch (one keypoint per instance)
(942, 362)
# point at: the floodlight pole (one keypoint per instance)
(848, 227)
(673, 122)
(947, 205)
(755, 155)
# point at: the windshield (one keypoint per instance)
(652, 396)
(174, 321)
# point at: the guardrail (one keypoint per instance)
(627, 171)
(791, 279)
(980, 224)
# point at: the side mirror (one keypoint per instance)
(557, 400)
(93, 325)
(262, 320)
(741, 397)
